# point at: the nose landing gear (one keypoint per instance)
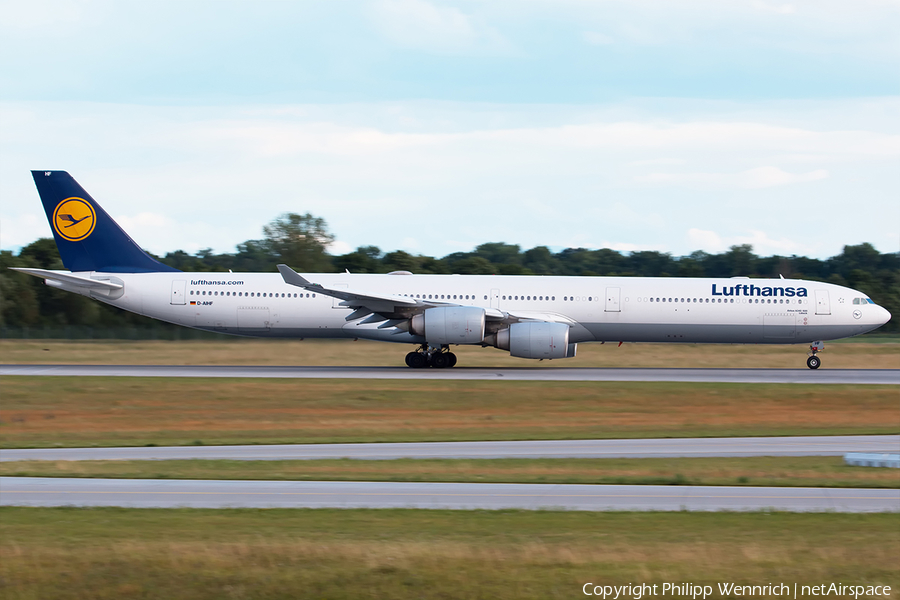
(427, 356)
(814, 362)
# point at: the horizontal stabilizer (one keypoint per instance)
(70, 279)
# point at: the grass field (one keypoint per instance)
(804, 471)
(863, 354)
(396, 554)
(58, 412)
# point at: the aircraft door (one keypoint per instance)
(495, 298)
(178, 290)
(823, 304)
(612, 299)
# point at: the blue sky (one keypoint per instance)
(433, 127)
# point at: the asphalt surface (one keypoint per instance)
(638, 448)
(808, 376)
(37, 491)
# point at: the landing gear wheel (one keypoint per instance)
(452, 358)
(416, 360)
(440, 360)
(813, 362)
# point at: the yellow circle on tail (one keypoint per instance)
(74, 219)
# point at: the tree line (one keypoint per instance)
(301, 241)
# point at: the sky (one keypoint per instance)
(433, 127)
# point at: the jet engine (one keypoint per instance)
(450, 325)
(537, 339)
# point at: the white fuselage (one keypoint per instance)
(612, 309)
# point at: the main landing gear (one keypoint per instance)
(426, 356)
(813, 362)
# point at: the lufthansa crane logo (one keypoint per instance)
(74, 219)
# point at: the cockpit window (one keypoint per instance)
(869, 300)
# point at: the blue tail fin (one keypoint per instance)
(88, 239)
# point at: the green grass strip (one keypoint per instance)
(108, 553)
(807, 471)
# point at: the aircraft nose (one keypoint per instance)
(884, 316)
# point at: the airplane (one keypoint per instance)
(535, 317)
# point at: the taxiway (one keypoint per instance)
(39, 491)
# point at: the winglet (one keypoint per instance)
(292, 278)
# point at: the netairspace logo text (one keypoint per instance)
(694, 591)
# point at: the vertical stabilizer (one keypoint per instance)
(87, 237)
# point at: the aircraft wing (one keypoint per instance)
(365, 303)
(380, 306)
(70, 279)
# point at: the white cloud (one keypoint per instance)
(762, 243)
(657, 162)
(337, 248)
(759, 177)
(22, 229)
(629, 247)
(409, 244)
(440, 177)
(780, 9)
(147, 221)
(597, 39)
(428, 26)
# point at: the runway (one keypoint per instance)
(805, 376)
(36, 491)
(634, 448)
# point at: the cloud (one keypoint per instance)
(760, 177)
(763, 245)
(597, 39)
(22, 229)
(629, 247)
(422, 25)
(780, 9)
(145, 220)
(455, 175)
(337, 248)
